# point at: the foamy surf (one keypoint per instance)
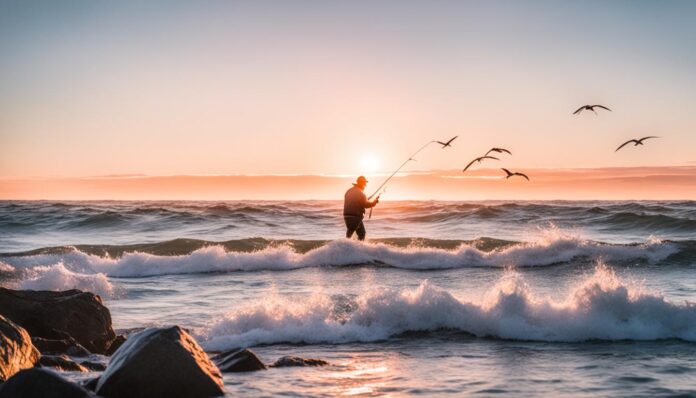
(599, 307)
(552, 249)
(57, 277)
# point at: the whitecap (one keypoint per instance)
(600, 307)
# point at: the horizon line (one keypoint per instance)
(689, 164)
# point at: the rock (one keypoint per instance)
(90, 384)
(118, 341)
(66, 346)
(60, 315)
(36, 382)
(61, 362)
(93, 366)
(297, 361)
(160, 362)
(16, 350)
(243, 360)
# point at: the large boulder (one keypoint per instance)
(16, 350)
(243, 360)
(160, 362)
(60, 315)
(36, 382)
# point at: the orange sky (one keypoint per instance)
(328, 88)
(569, 184)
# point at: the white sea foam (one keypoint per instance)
(598, 307)
(57, 277)
(551, 249)
(6, 267)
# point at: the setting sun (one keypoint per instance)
(369, 163)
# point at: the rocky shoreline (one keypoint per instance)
(43, 333)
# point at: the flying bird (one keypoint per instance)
(447, 144)
(498, 150)
(511, 174)
(590, 108)
(478, 160)
(635, 142)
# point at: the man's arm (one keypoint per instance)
(369, 204)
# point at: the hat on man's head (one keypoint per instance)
(360, 179)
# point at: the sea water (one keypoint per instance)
(443, 299)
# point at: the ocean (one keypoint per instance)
(497, 298)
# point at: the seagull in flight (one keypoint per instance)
(498, 150)
(478, 160)
(511, 174)
(635, 142)
(590, 108)
(447, 144)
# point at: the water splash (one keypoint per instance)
(598, 307)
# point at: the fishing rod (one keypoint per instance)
(410, 158)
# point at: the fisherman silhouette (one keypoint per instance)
(354, 206)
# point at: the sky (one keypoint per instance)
(211, 88)
(611, 183)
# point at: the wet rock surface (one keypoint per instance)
(66, 346)
(288, 361)
(60, 316)
(160, 362)
(61, 362)
(16, 349)
(41, 383)
(240, 360)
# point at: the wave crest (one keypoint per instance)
(554, 248)
(600, 307)
(57, 277)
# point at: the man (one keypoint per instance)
(354, 207)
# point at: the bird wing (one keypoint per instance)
(650, 136)
(507, 172)
(489, 157)
(522, 175)
(440, 142)
(579, 110)
(624, 144)
(602, 106)
(503, 150)
(452, 139)
(470, 163)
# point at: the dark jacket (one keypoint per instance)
(356, 202)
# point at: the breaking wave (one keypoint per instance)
(57, 277)
(598, 307)
(555, 248)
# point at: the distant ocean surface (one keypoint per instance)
(516, 299)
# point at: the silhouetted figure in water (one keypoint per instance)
(354, 207)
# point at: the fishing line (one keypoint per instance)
(410, 158)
